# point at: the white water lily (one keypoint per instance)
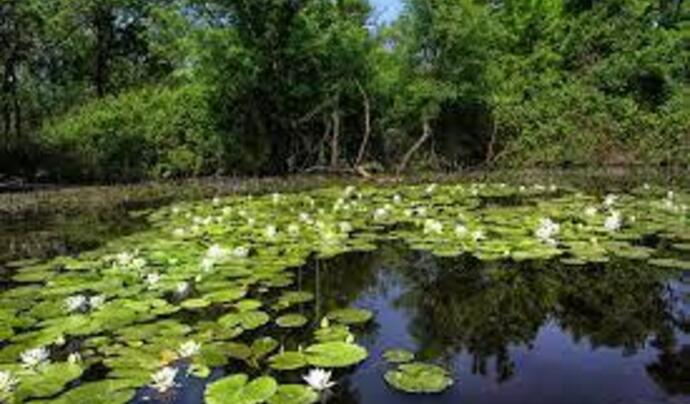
(614, 222)
(217, 253)
(548, 229)
(74, 358)
(164, 379)
(271, 231)
(432, 226)
(7, 382)
(380, 214)
(319, 379)
(304, 217)
(240, 252)
(179, 232)
(430, 189)
(182, 288)
(349, 190)
(591, 211)
(96, 302)
(207, 264)
(610, 200)
(397, 199)
(33, 358)
(124, 258)
(76, 303)
(276, 197)
(293, 229)
(152, 279)
(189, 349)
(421, 211)
(460, 230)
(216, 201)
(226, 211)
(478, 236)
(345, 227)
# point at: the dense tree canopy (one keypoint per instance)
(113, 89)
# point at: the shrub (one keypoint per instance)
(151, 132)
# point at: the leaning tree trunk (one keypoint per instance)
(426, 135)
(367, 126)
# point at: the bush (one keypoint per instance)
(154, 132)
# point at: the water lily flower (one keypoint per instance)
(207, 264)
(164, 379)
(610, 200)
(421, 211)
(96, 302)
(304, 217)
(478, 236)
(547, 230)
(345, 227)
(591, 211)
(397, 199)
(380, 214)
(152, 279)
(430, 189)
(276, 197)
(76, 303)
(175, 210)
(74, 358)
(182, 288)
(432, 226)
(240, 252)
(226, 211)
(271, 231)
(179, 232)
(216, 252)
(216, 201)
(188, 349)
(33, 358)
(646, 186)
(614, 222)
(124, 258)
(7, 382)
(293, 229)
(319, 379)
(460, 230)
(60, 340)
(349, 190)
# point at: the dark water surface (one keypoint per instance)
(516, 333)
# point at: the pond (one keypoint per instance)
(397, 294)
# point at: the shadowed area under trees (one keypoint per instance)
(126, 90)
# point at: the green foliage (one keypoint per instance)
(153, 132)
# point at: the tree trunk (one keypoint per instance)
(335, 138)
(426, 135)
(367, 125)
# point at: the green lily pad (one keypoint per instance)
(288, 360)
(398, 356)
(237, 389)
(419, 378)
(335, 354)
(48, 380)
(670, 263)
(291, 321)
(350, 316)
(294, 394)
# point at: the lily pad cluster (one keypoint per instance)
(213, 283)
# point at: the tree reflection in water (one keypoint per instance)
(463, 306)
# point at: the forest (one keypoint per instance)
(130, 90)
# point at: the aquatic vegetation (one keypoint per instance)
(231, 289)
(164, 379)
(8, 382)
(319, 379)
(419, 378)
(238, 389)
(398, 356)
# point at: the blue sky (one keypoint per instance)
(387, 10)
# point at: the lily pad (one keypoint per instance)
(419, 378)
(294, 394)
(335, 354)
(288, 360)
(350, 316)
(291, 321)
(237, 389)
(398, 356)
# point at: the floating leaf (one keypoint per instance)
(419, 378)
(398, 356)
(335, 354)
(288, 360)
(291, 321)
(294, 394)
(237, 389)
(350, 316)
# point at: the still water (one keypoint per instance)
(528, 333)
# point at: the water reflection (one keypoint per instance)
(511, 328)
